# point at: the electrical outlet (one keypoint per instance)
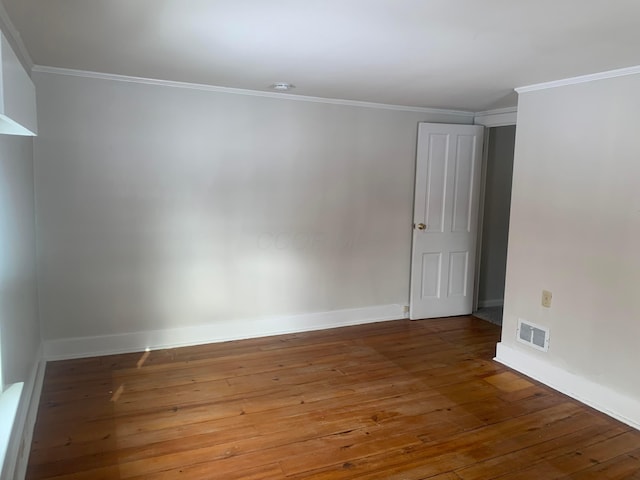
(546, 298)
(405, 309)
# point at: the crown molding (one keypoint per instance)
(241, 91)
(498, 111)
(499, 117)
(592, 77)
(12, 34)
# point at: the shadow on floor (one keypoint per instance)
(490, 314)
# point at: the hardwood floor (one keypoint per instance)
(393, 400)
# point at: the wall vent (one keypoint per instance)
(535, 336)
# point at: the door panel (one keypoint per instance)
(431, 267)
(436, 181)
(458, 267)
(445, 219)
(462, 194)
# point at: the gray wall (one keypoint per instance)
(575, 229)
(166, 207)
(19, 328)
(495, 224)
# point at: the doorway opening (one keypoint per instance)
(494, 223)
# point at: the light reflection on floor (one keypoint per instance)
(120, 390)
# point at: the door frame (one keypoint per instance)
(492, 118)
(495, 118)
(483, 192)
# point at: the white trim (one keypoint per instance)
(9, 407)
(602, 398)
(494, 302)
(480, 223)
(22, 435)
(11, 32)
(499, 117)
(241, 91)
(620, 72)
(238, 329)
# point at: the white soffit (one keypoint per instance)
(620, 72)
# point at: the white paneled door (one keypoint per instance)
(445, 219)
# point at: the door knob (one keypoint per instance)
(421, 226)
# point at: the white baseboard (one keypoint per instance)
(80, 347)
(22, 434)
(496, 302)
(600, 397)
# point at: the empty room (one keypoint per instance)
(320, 239)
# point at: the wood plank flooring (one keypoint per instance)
(392, 400)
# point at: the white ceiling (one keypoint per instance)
(458, 54)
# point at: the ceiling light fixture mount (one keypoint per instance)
(282, 86)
